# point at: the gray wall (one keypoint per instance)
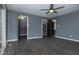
(68, 25)
(12, 25)
(34, 27)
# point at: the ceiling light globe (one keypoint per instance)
(50, 11)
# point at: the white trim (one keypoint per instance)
(35, 37)
(3, 45)
(12, 40)
(27, 26)
(67, 38)
(2, 50)
(3, 29)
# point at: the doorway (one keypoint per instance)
(48, 28)
(22, 27)
(44, 28)
(53, 25)
(51, 28)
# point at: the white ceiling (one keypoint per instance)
(35, 9)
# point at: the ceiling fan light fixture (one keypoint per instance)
(51, 11)
(22, 17)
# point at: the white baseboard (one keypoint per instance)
(12, 40)
(2, 50)
(35, 37)
(67, 38)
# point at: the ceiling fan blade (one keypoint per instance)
(47, 12)
(55, 11)
(59, 8)
(44, 9)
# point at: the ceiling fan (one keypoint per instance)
(52, 9)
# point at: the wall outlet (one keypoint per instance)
(58, 25)
(70, 36)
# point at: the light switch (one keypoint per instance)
(58, 25)
(70, 36)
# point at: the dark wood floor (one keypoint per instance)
(43, 46)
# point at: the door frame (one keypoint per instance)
(26, 27)
(42, 27)
(3, 29)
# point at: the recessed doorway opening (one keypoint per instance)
(44, 28)
(53, 25)
(48, 28)
(22, 27)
